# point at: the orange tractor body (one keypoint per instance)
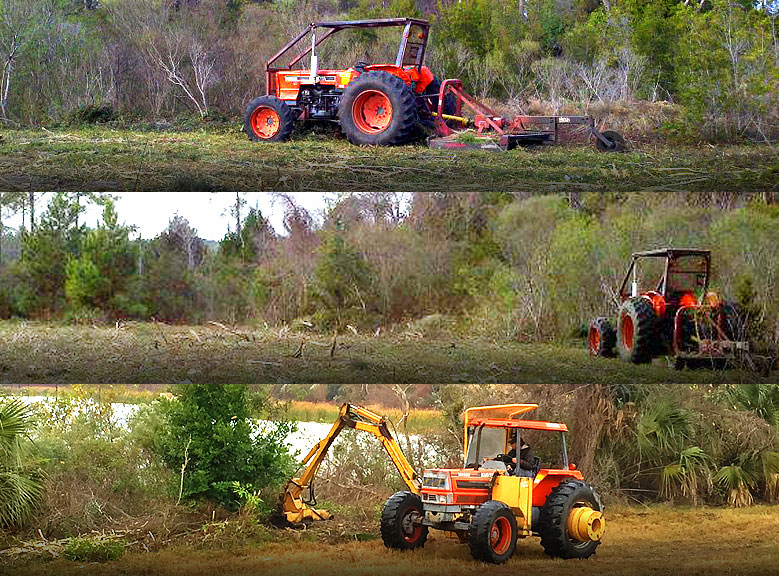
(498, 497)
(382, 104)
(670, 311)
(375, 104)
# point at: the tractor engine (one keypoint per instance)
(321, 102)
(452, 495)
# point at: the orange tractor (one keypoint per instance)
(387, 103)
(667, 309)
(494, 499)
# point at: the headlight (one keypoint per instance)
(436, 481)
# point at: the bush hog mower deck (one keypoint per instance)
(482, 503)
(389, 103)
(676, 316)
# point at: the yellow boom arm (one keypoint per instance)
(295, 510)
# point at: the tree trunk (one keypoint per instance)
(32, 212)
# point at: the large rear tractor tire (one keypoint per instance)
(553, 520)
(492, 535)
(268, 119)
(636, 331)
(601, 338)
(401, 528)
(378, 109)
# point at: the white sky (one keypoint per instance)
(207, 212)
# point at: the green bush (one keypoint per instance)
(208, 433)
(93, 549)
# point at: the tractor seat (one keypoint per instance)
(519, 471)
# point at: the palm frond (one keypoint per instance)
(662, 429)
(739, 483)
(19, 495)
(15, 419)
(770, 464)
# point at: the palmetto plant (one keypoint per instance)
(19, 492)
(762, 399)
(684, 474)
(739, 482)
(663, 429)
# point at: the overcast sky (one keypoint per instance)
(207, 212)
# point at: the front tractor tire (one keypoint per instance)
(492, 535)
(636, 330)
(401, 527)
(378, 109)
(553, 520)
(601, 338)
(268, 119)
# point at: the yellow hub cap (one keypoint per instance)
(586, 524)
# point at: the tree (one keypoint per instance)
(45, 253)
(104, 266)
(10, 202)
(341, 277)
(169, 264)
(209, 437)
(20, 22)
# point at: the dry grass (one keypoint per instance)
(656, 540)
(419, 420)
(223, 159)
(143, 353)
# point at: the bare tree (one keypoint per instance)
(20, 22)
(167, 39)
(11, 202)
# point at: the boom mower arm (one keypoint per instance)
(359, 418)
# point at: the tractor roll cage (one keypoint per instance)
(505, 416)
(415, 47)
(669, 254)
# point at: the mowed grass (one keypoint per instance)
(102, 158)
(658, 540)
(145, 353)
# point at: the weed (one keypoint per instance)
(93, 549)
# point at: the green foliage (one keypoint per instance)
(105, 263)
(20, 490)
(762, 399)
(93, 549)
(342, 279)
(209, 433)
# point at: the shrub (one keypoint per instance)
(209, 436)
(93, 549)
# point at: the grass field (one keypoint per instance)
(661, 540)
(101, 158)
(40, 353)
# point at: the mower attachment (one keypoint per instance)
(494, 132)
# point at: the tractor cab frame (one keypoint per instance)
(411, 52)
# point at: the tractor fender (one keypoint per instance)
(548, 480)
(418, 80)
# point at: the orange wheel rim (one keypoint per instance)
(627, 331)
(594, 341)
(372, 112)
(500, 536)
(266, 122)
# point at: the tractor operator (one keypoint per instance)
(527, 458)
